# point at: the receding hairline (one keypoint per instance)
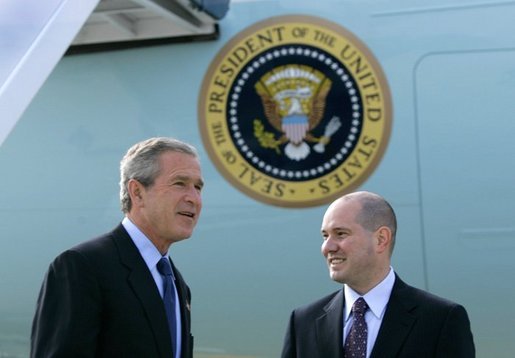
(374, 212)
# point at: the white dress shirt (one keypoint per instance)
(377, 299)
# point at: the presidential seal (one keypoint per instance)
(295, 111)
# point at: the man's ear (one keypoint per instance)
(384, 238)
(136, 191)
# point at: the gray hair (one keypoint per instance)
(141, 162)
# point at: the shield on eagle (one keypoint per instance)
(294, 98)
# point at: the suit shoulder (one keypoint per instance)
(317, 305)
(91, 250)
(430, 301)
(94, 246)
(433, 298)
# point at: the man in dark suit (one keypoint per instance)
(107, 297)
(375, 314)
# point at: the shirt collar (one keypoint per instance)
(147, 249)
(376, 298)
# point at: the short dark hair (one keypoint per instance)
(375, 212)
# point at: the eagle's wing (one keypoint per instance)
(271, 108)
(318, 104)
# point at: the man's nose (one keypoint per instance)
(329, 245)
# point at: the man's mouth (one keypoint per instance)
(187, 213)
(336, 260)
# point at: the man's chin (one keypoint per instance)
(181, 237)
(336, 276)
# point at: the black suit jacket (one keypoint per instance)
(416, 324)
(99, 299)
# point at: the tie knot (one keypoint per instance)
(360, 306)
(164, 267)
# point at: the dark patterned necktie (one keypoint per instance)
(356, 341)
(165, 269)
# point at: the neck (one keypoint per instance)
(161, 245)
(375, 280)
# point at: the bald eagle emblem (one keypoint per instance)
(294, 98)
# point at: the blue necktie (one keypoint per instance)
(356, 341)
(165, 269)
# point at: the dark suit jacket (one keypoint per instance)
(416, 324)
(99, 299)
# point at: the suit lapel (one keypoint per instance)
(141, 281)
(329, 328)
(397, 322)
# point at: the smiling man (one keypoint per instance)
(375, 314)
(120, 295)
